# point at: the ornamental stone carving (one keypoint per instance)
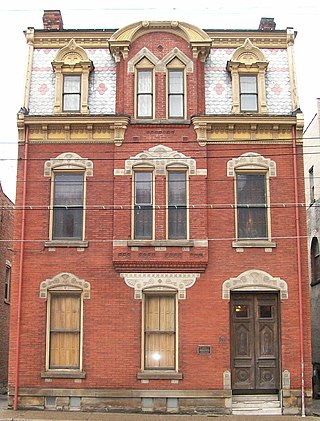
(249, 161)
(68, 161)
(160, 281)
(255, 280)
(65, 281)
(160, 157)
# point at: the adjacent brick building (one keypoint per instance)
(163, 261)
(6, 254)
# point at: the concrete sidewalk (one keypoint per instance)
(27, 415)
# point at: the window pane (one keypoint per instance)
(143, 216)
(251, 189)
(67, 223)
(241, 311)
(68, 189)
(252, 206)
(71, 84)
(160, 332)
(176, 106)
(144, 81)
(249, 102)
(71, 102)
(143, 188)
(144, 105)
(248, 84)
(265, 312)
(175, 82)
(252, 223)
(177, 188)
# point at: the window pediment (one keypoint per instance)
(68, 161)
(65, 281)
(247, 55)
(251, 161)
(71, 55)
(160, 157)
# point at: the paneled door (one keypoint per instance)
(254, 342)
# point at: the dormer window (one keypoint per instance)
(248, 68)
(72, 68)
(248, 93)
(71, 93)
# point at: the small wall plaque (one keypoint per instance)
(204, 349)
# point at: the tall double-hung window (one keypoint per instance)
(143, 205)
(248, 93)
(68, 206)
(252, 220)
(176, 93)
(177, 205)
(253, 208)
(144, 93)
(71, 93)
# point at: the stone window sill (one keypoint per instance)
(253, 244)
(66, 243)
(157, 121)
(160, 243)
(63, 374)
(159, 375)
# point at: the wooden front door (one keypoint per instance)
(254, 342)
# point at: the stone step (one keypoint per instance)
(255, 397)
(256, 404)
(270, 411)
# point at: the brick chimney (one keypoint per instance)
(52, 19)
(267, 24)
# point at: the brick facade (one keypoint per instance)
(118, 269)
(6, 233)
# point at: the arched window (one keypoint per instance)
(315, 262)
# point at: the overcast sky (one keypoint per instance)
(17, 15)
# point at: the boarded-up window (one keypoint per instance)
(65, 330)
(160, 332)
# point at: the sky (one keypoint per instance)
(17, 15)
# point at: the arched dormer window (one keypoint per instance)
(315, 262)
(248, 67)
(72, 68)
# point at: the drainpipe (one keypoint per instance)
(16, 383)
(298, 242)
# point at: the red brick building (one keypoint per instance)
(6, 254)
(163, 264)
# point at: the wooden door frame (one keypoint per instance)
(278, 315)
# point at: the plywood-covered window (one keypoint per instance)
(64, 330)
(159, 332)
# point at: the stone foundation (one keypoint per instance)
(158, 401)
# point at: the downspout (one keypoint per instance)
(22, 239)
(298, 243)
